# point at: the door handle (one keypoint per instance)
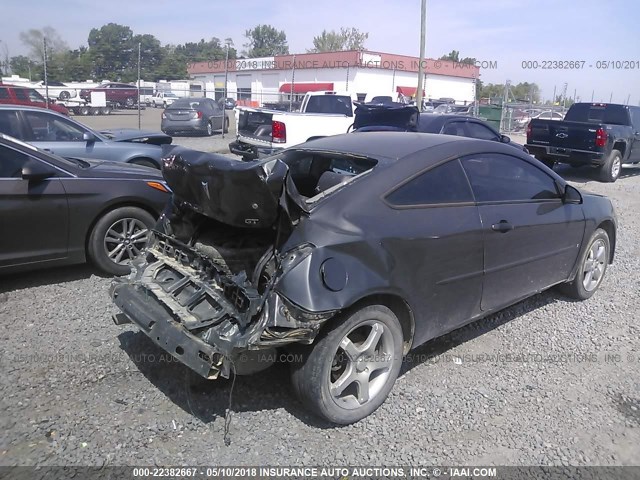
(503, 226)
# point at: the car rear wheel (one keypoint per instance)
(610, 171)
(129, 102)
(226, 125)
(348, 373)
(593, 265)
(209, 128)
(118, 237)
(64, 95)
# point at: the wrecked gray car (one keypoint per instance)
(351, 250)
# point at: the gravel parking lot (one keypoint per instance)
(547, 381)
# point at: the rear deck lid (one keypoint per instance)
(391, 116)
(241, 194)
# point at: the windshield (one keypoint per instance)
(184, 103)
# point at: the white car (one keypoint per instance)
(163, 99)
(546, 115)
(56, 90)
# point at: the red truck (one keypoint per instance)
(15, 95)
(116, 94)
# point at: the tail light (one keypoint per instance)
(278, 132)
(528, 131)
(197, 114)
(601, 137)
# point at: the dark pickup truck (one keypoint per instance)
(603, 135)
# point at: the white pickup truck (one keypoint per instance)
(262, 132)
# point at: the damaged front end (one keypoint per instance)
(207, 289)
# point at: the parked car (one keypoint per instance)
(117, 94)
(262, 132)
(603, 135)
(14, 95)
(546, 115)
(62, 211)
(372, 118)
(227, 103)
(351, 250)
(56, 90)
(194, 115)
(163, 99)
(66, 137)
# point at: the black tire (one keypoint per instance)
(145, 162)
(209, 129)
(312, 376)
(129, 102)
(106, 110)
(64, 95)
(96, 110)
(85, 110)
(98, 244)
(610, 171)
(576, 288)
(226, 125)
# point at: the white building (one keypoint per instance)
(257, 81)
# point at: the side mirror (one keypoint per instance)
(36, 171)
(505, 139)
(572, 195)
(88, 137)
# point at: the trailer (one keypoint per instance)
(96, 106)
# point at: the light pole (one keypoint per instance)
(423, 30)
(226, 76)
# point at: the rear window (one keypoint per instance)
(598, 113)
(184, 103)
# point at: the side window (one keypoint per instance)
(50, 128)
(21, 94)
(635, 117)
(9, 123)
(477, 130)
(454, 128)
(498, 178)
(443, 184)
(4, 93)
(11, 162)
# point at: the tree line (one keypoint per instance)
(112, 53)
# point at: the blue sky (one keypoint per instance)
(505, 31)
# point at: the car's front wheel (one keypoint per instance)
(118, 237)
(349, 372)
(592, 267)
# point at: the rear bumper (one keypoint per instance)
(251, 152)
(566, 155)
(144, 309)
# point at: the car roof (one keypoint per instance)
(379, 145)
(9, 106)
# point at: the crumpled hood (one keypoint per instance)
(398, 116)
(139, 136)
(240, 194)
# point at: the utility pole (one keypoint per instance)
(423, 34)
(226, 77)
(139, 115)
(46, 82)
(611, 97)
(293, 79)
(592, 92)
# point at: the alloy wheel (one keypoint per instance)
(615, 167)
(125, 240)
(594, 265)
(361, 365)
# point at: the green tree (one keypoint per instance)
(111, 51)
(26, 68)
(265, 41)
(345, 39)
(454, 56)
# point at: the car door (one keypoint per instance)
(634, 154)
(531, 237)
(437, 241)
(217, 114)
(34, 215)
(61, 136)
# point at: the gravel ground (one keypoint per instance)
(76, 389)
